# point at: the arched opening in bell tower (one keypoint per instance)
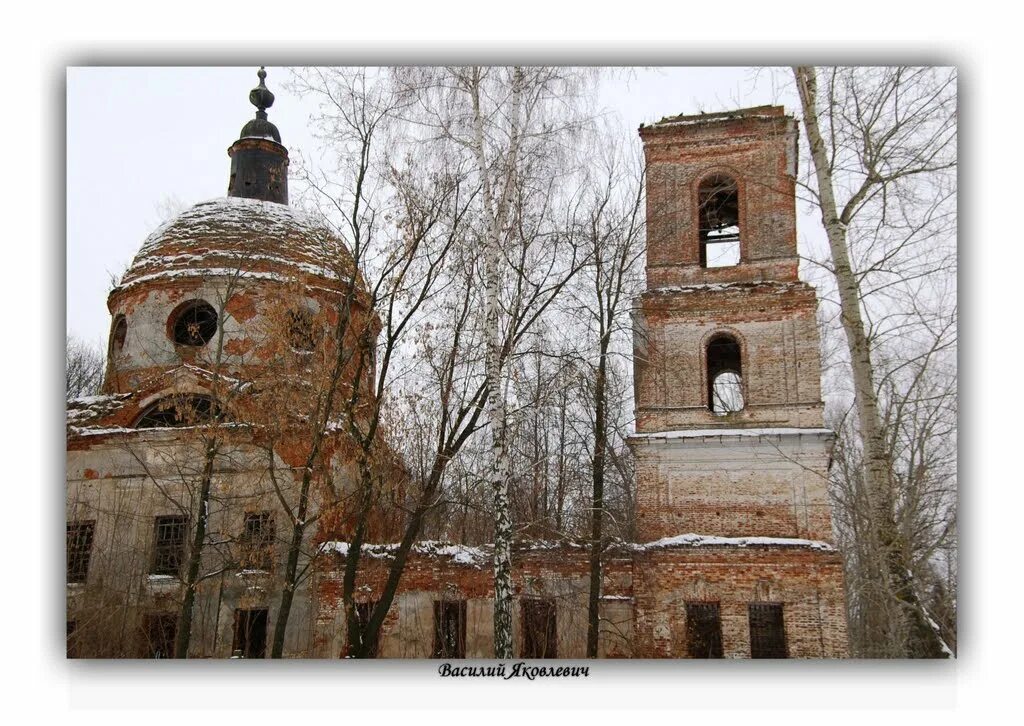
(724, 375)
(718, 200)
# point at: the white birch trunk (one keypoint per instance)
(889, 572)
(495, 214)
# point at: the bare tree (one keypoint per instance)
(610, 223)
(83, 368)
(883, 155)
(402, 217)
(510, 122)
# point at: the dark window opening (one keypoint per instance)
(169, 545)
(725, 376)
(767, 630)
(719, 221)
(72, 639)
(159, 633)
(79, 546)
(180, 410)
(194, 323)
(257, 541)
(449, 629)
(703, 630)
(540, 629)
(250, 640)
(301, 333)
(363, 612)
(118, 334)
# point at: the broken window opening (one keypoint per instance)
(363, 612)
(724, 376)
(169, 545)
(767, 630)
(79, 546)
(250, 638)
(118, 334)
(703, 630)
(179, 410)
(301, 333)
(449, 629)
(159, 633)
(72, 638)
(540, 629)
(719, 221)
(257, 541)
(194, 323)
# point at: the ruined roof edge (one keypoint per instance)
(754, 112)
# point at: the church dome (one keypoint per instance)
(250, 239)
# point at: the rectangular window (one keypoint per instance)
(72, 640)
(450, 629)
(250, 639)
(257, 541)
(703, 630)
(363, 612)
(159, 632)
(767, 630)
(169, 545)
(79, 545)
(540, 629)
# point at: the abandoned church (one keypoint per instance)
(174, 495)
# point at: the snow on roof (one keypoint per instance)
(758, 112)
(459, 554)
(480, 555)
(705, 433)
(220, 237)
(780, 287)
(89, 408)
(87, 431)
(703, 540)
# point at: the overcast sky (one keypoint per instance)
(141, 139)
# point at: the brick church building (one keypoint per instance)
(734, 556)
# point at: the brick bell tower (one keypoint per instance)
(729, 441)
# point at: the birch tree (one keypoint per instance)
(512, 123)
(883, 157)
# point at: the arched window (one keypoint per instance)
(118, 333)
(718, 199)
(193, 323)
(725, 375)
(178, 410)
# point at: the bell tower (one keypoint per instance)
(729, 419)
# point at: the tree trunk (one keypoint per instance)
(183, 634)
(888, 568)
(494, 216)
(597, 504)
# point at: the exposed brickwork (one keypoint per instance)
(642, 607)
(757, 147)
(776, 328)
(765, 473)
(758, 472)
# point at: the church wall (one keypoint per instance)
(733, 486)
(776, 328)
(643, 605)
(559, 575)
(112, 483)
(808, 583)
